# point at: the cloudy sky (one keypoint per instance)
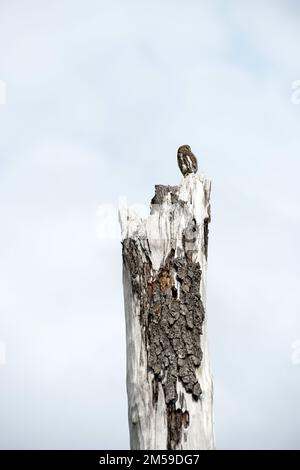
(99, 95)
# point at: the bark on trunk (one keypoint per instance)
(169, 384)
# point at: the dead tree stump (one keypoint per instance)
(169, 384)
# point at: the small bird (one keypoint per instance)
(187, 161)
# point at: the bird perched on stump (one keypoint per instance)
(187, 161)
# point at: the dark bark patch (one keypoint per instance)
(207, 221)
(177, 420)
(161, 192)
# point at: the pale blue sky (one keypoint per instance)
(99, 96)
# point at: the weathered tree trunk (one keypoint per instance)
(169, 384)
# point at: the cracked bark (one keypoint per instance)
(169, 384)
